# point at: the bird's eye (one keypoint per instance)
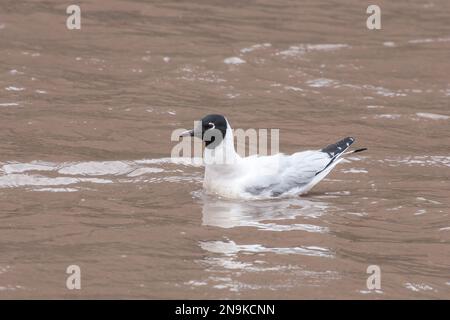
(211, 125)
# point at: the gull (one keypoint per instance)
(229, 175)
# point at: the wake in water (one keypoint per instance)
(73, 176)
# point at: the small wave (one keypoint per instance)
(386, 92)
(94, 168)
(387, 116)
(231, 248)
(292, 51)
(10, 287)
(302, 49)
(56, 189)
(432, 116)
(15, 72)
(432, 161)
(234, 60)
(255, 47)
(12, 88)
(420, 212)
(321, 82)
(195, 161)
(20, 180)
(9, 104)
(16, 167)
(429, 40)
(326, 47)
(389, 44)
(418, 287)
(353, 170)
(293, 88)
(199, 73)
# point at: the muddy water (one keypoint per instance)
(85, 125)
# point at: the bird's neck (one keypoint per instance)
(223, 154)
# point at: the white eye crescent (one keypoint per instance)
(211, 125)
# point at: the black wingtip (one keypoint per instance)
(359, 150)
(338, 147)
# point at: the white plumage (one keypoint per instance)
(259, 177)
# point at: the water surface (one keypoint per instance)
(85, 123)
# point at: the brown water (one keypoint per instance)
(86, 118)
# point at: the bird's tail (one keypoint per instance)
(355, 151)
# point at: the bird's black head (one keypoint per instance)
(211, 129)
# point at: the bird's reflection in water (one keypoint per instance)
(227, 256)
(268, 215)
(226, 213)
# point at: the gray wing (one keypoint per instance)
(298, 170)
